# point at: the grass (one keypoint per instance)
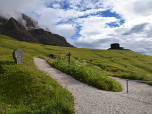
(38, 93)
(82, 72)
(26, 90)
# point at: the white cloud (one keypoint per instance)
(51, 17)
(56, 6)
(137, 15)
(9, 8)
(93, 28)
(83, 4)
(132, 10)
(93, 31)
(65, 30)
(64, 15)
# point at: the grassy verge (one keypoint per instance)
(80, 71)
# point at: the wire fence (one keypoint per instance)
(135, 81)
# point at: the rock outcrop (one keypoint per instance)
(45, 37)
(16, 30)
(3, 20)
(24, 20)
(29, 22)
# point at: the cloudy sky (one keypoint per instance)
(91, 23)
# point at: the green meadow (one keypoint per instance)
(26, 90)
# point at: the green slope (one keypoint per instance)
(120, 63)
(25, 89)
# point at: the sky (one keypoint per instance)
(91, 24)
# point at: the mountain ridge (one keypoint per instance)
(26, 31)
(16, 30)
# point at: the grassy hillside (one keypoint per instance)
(120, 63)
(26, 90)
(16, 78)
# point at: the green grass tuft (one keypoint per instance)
(82, 72)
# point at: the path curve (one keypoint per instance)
(89, 100)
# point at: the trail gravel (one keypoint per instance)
(89, 100)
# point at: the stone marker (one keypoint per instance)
(18, 55)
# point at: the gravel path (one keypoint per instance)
(89, 100)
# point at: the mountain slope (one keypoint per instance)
(45, 37)
(3, 20)
(28, 33)
(29, 21)
(15, 30)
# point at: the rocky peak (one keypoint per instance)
(29, 22)
(3, 20)
(24, 20)
(13, 23)
(15, 29)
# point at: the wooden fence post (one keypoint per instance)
(69, 56)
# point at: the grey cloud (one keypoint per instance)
(149, 31)
(143, 7)
(93, 33)
(111, 34)
(13, 8)
(137, 44)
(148, 48)
(136, 29)
(149, 34)
(143, 46)
(147, 52)
(116, 35)
(106, 42)
(84, 45)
